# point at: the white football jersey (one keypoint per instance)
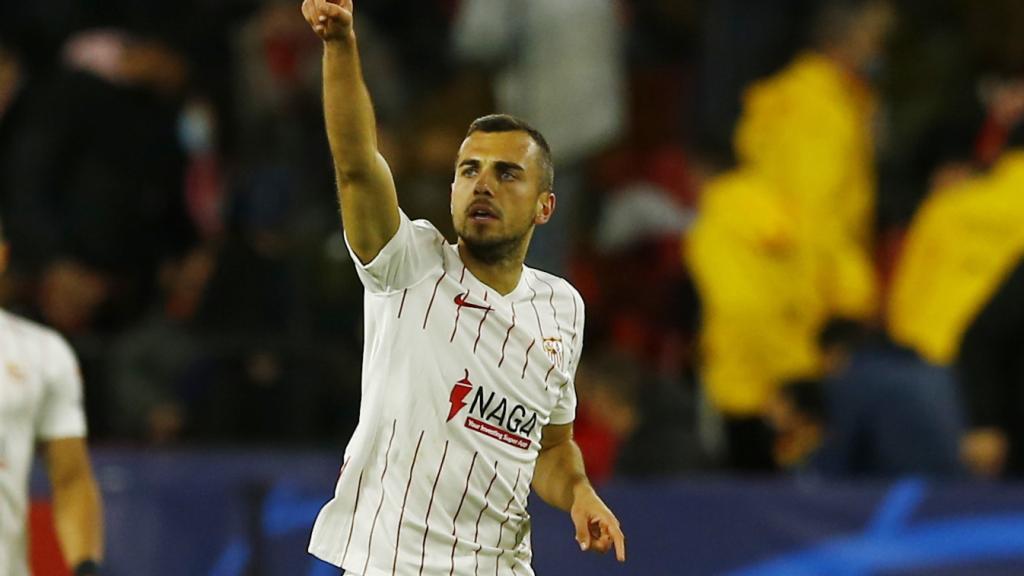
(458, 382)
(40, 399)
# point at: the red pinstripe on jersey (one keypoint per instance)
(426, 518)
(455, 519)
(476, 534)
(479, 329)
(405, 500)
(432, 296)
(574, 325)
(369, 543)
(402, 305)
(501, 527)
(535, 312)
(507, 334)
(355, 510)
(527, 363)
(551, 302)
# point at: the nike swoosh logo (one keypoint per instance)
(460, 301)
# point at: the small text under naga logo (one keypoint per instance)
(491, 414)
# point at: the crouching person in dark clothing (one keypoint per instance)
(886, 411)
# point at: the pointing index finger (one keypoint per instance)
(619, 541)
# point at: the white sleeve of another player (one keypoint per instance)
(564, 411)
(62, 414)
(407, 258)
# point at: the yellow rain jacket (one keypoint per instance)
(962, 243)
(782, 242)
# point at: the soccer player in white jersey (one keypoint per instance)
(41, 401)
(468, 396)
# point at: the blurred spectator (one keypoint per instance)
(782, 241)
(638, 211)
(887, 412)
(93, 188)
(959, 247)
(195, 371)
(280, 132)
(636, 244)
(632, 423)
(1003, 101)
(198, 131)
(280, 209)
(648, 188)
(970, 138)
(17, 91)
(991, 371)
(156, 366)
(740, 41)
(929, 110)
(560, 66)
(954, 95)
(995, 29)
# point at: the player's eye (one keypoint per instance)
(508, 176)
(469, 172)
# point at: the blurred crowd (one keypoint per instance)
(798, 224)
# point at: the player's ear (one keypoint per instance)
(545, 207)
(451, 199)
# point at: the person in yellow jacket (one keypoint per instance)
(963, 242)
(782, 242)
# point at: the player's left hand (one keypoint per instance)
(597, 528)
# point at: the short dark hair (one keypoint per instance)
(509, 123)
(845, 333)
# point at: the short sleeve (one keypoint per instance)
(564, 411)
(414, 250)
(62, 413)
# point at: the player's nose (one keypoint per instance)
(483, 186)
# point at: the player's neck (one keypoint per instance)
(503, 275)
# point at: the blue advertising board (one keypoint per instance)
(233, 513)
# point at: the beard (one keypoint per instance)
(494, 250)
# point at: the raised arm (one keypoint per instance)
(366, 189)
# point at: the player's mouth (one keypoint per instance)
(482, 212)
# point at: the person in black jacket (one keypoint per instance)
(991, 371)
